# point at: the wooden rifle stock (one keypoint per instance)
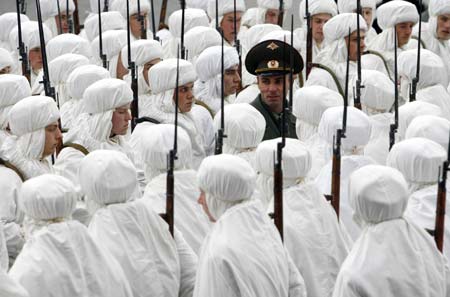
(440, 215)
(336, 181)
(170, 193)
(76, 18)
(281, 14)
(162, 15)
(135, 102)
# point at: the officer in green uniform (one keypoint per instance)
(270, 62)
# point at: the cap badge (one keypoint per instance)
(273, 46)
(273, 64)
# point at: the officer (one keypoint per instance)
(270, 62)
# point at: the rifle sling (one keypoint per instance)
(421, 41)
(378, 54)
(333, 75)
(13, 168)
(201, 103)
(77, 146)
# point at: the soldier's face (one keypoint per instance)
(120, 120)
(227, 25)
(404, 31)
(64, 28)
(53, 137)
(367, 15)
(272, 16)
(202, 201)
(5, 70)
(231, 80)
(185, 97)
(353, 50)
(35, 57)
(317, 22)
(135, 24)
(271, 88)
(443, 27)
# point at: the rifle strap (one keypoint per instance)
(378, 54)
(147, 119)
(333, 75)
(13, 168)
(201, 103)
(77, 146)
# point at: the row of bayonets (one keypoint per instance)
(278, 170)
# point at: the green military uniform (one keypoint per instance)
(273, 58)
(274, 121)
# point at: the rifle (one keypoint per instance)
(278, 168)
(170, 183)
(308, 40)
(439, 226)
(237, 45)
(69, 18)
(183, 10)
(134, 80)
(162, 14)
(76, 18)
(60, 31)
(153, 20)
(141, 20)
(221, 132)
(100, 38)
(291, 74)
(105, 6)
(281, 13)
(48, 89)
(336, 167)
(217, 17)
(21, 47)
(394, 126)
(415, 81)
(357, 98)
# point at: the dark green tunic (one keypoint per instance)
(273, 121)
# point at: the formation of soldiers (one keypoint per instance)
(222, 155)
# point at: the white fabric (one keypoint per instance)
(357, 132)
(204, 120)
(77, 82)
(162, 78)
(208, 67)
(154, 146)
(192, 18)
(197, 4)
(199, 38)
(378, 146)
(308, 106)
(377, 95)
(11, 288)
(266, 269)
(395, 12)
(403, 258)
(248, 94)
(437, 95)
(111, 20)
(49, 8)
(93, 129)
(109, 179)
(418, 159)
(323, 181)
(350, 6)
(316, 7)
(66, 251)
(224, 7)
(432, 127)
(60, 69)
(13, 88)
(30, 34)
(244, 128)
(113, 42)
(68, 44)
(190, 219)
(274, 4)
(411, 110)
(421, 210)
(142, 51)
(121, 6)
(6, 60)
(8, 21)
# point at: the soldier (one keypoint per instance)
(57, 19)
(270, 62)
